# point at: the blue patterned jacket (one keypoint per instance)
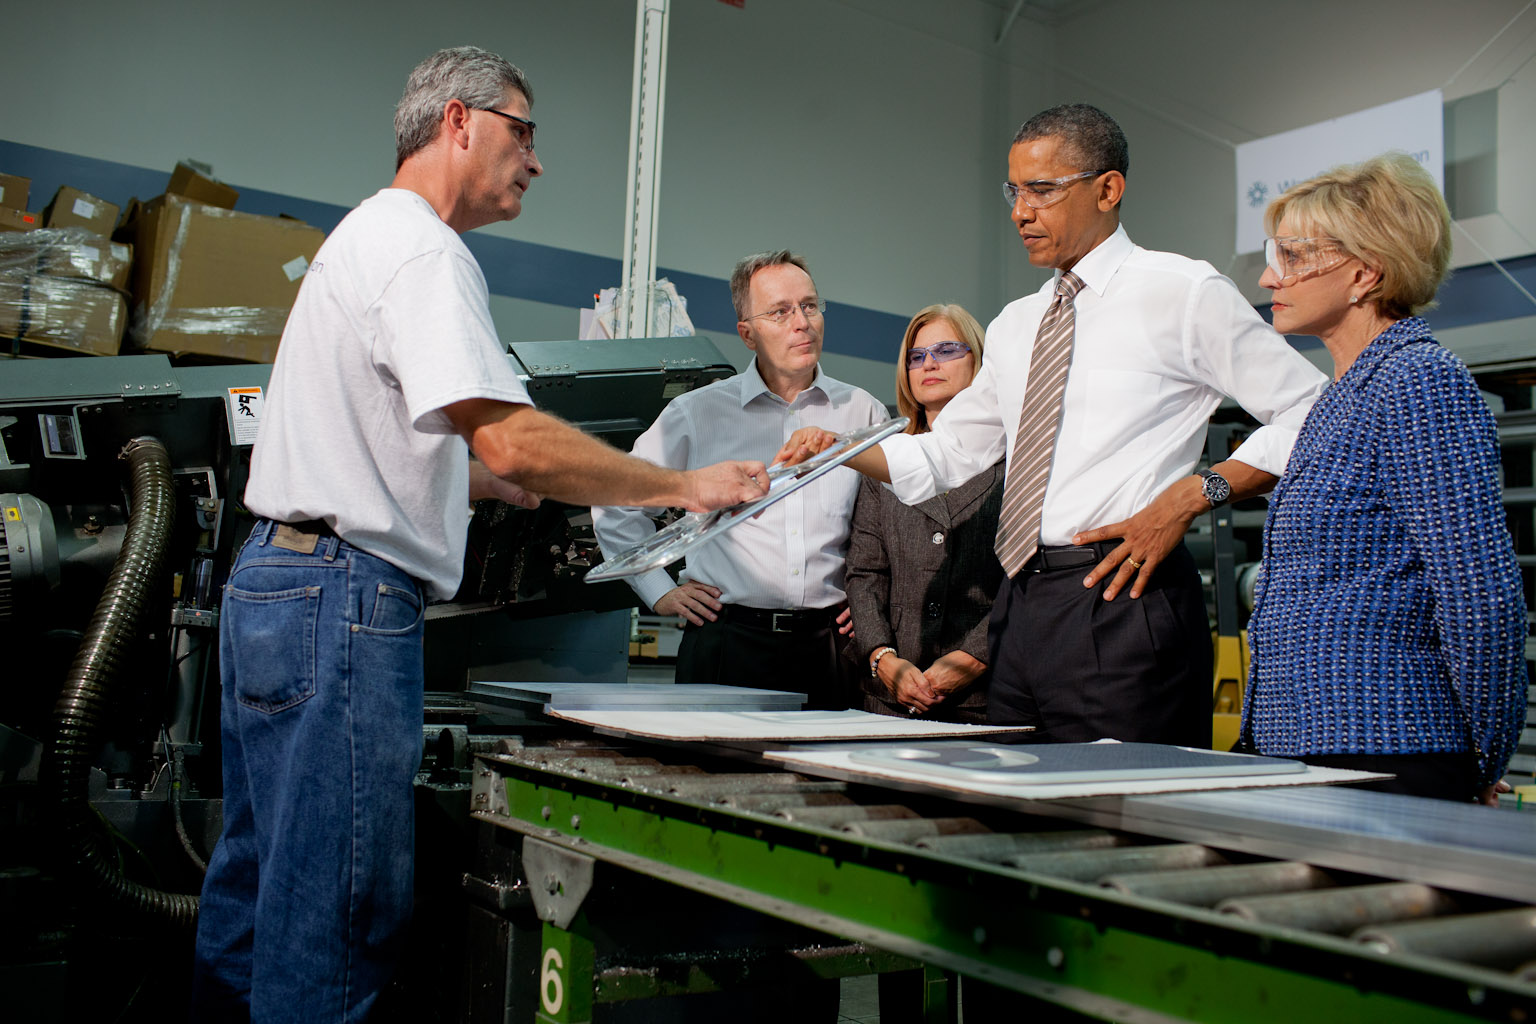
(1389, 616)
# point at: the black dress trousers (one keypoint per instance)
(1080, 668)
(802, 660)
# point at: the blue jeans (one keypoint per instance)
(309, 890)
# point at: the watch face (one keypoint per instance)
(1217, 490)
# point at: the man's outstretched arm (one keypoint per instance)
(544, 455)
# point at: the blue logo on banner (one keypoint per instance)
(1257, 193)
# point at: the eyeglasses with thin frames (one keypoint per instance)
(781, 314)
(1043, 192)
(522, 128)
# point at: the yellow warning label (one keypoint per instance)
(12, 514)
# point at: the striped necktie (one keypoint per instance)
(1018, 526)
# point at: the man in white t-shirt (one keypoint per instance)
(361, 480)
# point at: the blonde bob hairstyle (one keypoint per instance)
(967, 330)
(1389, 214)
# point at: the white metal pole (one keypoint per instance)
(648, 100)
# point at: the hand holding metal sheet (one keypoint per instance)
(805, 443)
(671, 543)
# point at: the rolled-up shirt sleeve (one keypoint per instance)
(1234, 351)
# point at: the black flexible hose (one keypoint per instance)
(84, 705)
(178, 779)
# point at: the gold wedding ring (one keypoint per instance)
(1133, 563)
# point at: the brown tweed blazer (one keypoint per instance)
(921, 578)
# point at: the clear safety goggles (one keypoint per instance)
(1293, 256)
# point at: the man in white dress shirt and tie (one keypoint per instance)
(1099, 387)
(762, 599)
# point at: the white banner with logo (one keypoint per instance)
(1267, 167)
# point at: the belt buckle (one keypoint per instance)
(774, 622)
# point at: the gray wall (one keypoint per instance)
(849, 132)
(869, 134)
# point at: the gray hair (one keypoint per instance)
(1092, 135)
(741, 277)
(477, 77)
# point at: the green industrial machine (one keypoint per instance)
(565, 876)
(1315, 904)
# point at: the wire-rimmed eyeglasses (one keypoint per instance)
(781, 314)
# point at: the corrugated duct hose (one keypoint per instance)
(85, 705)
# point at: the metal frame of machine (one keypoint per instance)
(929, 886)
(583, 848)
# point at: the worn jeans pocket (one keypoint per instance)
(393, 610)
(275, 655)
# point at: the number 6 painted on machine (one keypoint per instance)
(551, 985)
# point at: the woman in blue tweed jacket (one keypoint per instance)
(1389, 626)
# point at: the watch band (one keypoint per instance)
(1215, 487)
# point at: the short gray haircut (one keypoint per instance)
(1092, 135)
(478, 77)
(741, 277)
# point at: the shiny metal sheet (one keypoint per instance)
(634, 697)
(1458, 846)
(671, 543)
(960, 763)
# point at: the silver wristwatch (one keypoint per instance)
(1215, 487)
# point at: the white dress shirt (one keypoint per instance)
(1160, 339)
(791, 556)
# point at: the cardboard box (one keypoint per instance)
(19, 220)
(188, 181)
(14, 191)
(92, 258)
(72, 208)
(63, 313)
(67, 252)
(213, 281)
(644, 647)
(13, 302)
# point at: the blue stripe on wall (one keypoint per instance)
(563, 277)
(513, 268)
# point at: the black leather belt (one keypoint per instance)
(1048, 559)
(775, 620)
